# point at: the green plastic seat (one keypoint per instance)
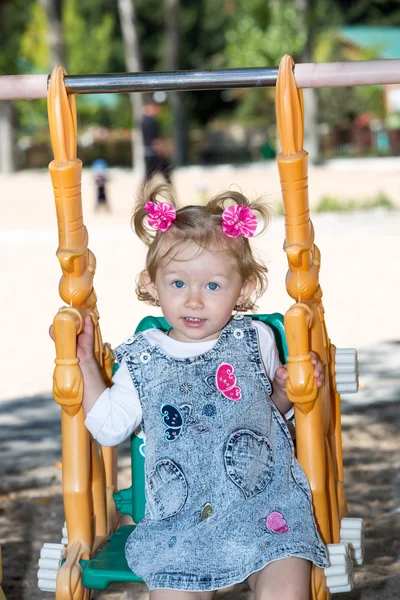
(109, 565)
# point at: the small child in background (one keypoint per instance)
(99, 168)
(226, 498)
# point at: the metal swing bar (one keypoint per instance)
(307, 75)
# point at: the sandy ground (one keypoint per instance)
(361, 285)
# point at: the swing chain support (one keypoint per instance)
(88, 476)
(317, 411)
(307, 75)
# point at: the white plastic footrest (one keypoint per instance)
(49, 562)
(64, 539)
(352, 534)
(339, 574)
(346, 370)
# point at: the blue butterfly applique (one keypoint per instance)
(173, 421)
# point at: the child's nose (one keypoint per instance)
(194, 300)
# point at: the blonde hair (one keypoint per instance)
(201, 225)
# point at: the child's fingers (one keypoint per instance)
(281, 374)
(88, 323)
(319, 375)
(51, 331)
(318, 371)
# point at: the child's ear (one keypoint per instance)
(248, 288)
(148, 284)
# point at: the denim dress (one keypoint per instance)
(225, 494)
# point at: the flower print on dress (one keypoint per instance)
(225, 380)
(172, 541)
(209, 410)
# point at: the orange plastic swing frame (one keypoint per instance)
(89, 478)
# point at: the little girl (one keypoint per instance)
(226, 499)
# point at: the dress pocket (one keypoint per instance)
(249, 461)
(166, 490)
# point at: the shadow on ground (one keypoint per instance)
(31, 510)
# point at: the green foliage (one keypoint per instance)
(34, 50)
(15, 15)
(341, 105)
(261, 33)
(88, 42)
(374, 12)
(333, 204)
(214, 34)
(32, 117)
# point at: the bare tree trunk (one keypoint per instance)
(172, 56)
(6, 138)
(311, 142)
(55, 36)
(6, 110)
(133, 61)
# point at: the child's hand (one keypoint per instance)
(281, 375)
(318, 370)
(279, 383)
(84, 341)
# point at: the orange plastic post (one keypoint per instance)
(88, 516)
(317, 412)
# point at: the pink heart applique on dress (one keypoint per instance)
(225, 380)
(276, 523)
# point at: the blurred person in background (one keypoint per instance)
(99, 167)
(155, 155)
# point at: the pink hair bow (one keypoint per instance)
(239, 220)
(160, 215)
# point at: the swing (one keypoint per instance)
(92, 542)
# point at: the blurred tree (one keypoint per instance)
(84, 57)
(339, 106)
(259, 33)
(306, 16)
(133, 60)
(201, 46)
(172, 63)
(13, 20)
(182, 34)
(373, 12)
(55, 34)
(34, 48)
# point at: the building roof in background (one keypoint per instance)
(386, 40)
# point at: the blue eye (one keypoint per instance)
(178, 284)
(212, 286)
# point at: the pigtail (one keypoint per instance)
(218, 203)
(251, 266)
(152, 191)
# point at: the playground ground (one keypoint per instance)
(361, 286)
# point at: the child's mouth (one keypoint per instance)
(193, 321)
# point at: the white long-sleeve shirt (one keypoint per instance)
(118, 412)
